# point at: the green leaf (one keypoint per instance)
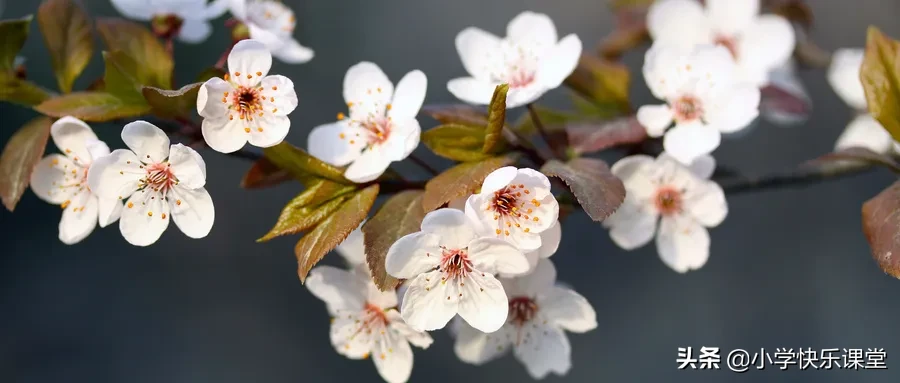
(12, 37)
(21, 154)
(460, 180)
(172, 104)
(122, 77)
(91, 106)
(301, 165)
(264, 174)
(307, 209)
(881, 226)
(457, 114)
(67, 34)
(331, 231)
(603, 83)
(138, 43)
(20, 91)
(456, 142)
(209, 73)
(598, 191)
(493, 139)
(400, 215)
(880, 75)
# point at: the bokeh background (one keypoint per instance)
(789, 268)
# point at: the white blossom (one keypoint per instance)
(701, 97)
(381, 127)
(157, 183)
(515, 205)
(365, 322)
(757, 43)
(272, 23)
(864, 131)
(530, 59)
(450, 270)
(192, 15)
(62, 180)
(353, 249)
(539, 311)
(682, 199)
(247, 105)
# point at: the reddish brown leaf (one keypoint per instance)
(400, 215)
(592, 136)
(264, 174)
(881, 225)
(859, 155)
(457, 114)
(597, 190)
(21, 153)
(460, 180)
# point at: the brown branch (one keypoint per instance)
(802, 176)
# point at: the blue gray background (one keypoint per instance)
(789, 268)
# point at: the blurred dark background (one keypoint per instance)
(789, 268)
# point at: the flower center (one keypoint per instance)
(455, 263)
(729, 43)
(373, 317)
(166, 26)
(522, 310)
(512, 210)
(378, 129)
(159, 178)
(687, 108)
(668, 200)
(247, 102)
(519, 63)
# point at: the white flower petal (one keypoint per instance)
(393, 358)
(429, 304)
(148, 142)
(686, 142)
(546, 351)
(383, 299)
(292, 52)
(865, 132)
(655, 118)
(550, 240)
(539, 280)
(353, 248)
(339, 289)
(478, 51)
(192, 210)
(209, 105)
(142, 10)
(109, 210)
(187, 166)
(483, 303)
(766, 44)
(682, 243)
(115, 176)
(475, 347)
(370, 165)
(706, 203)
(282, 98)
(660, 69)
(50, 178)
(194, 31)
(843, 75)
(249, 62)
(367, 91)
(419, 339)
(567, 309)
(702, 167)
(492, 255)
(348, 337)
(680, 22)
(451, 225)
(732, 16)
(71, 136)
(97, 149)
(636, 172)
(224, 135)
(559, 62)
(499, 179)
(734, 109)
(145, 218)
(525, 95)
(408, 133)
(335, 143)
(632, 225)
(472, 90)
(409, 96)
(79, 218)
(532, 27)
(413, 254)
(271, 131)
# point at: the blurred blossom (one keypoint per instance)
(539, 311)
(514, 205)
(158, 182)
(272, 23)
(381, 127)
(353, 249)
(681, 199)
(365, 321)
(450, 270)
(247, 105)
(186, 19)
(63, 180)
(785, 100)
(757, 43)
(530, 59)
(702, 97)
(864, 131)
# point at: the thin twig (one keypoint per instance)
(799, 177)
(423, 164)
(536, 120)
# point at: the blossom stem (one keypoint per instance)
(539, 126)
(220, 64)
(170, 47)
(800, 177)
(424, 165)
